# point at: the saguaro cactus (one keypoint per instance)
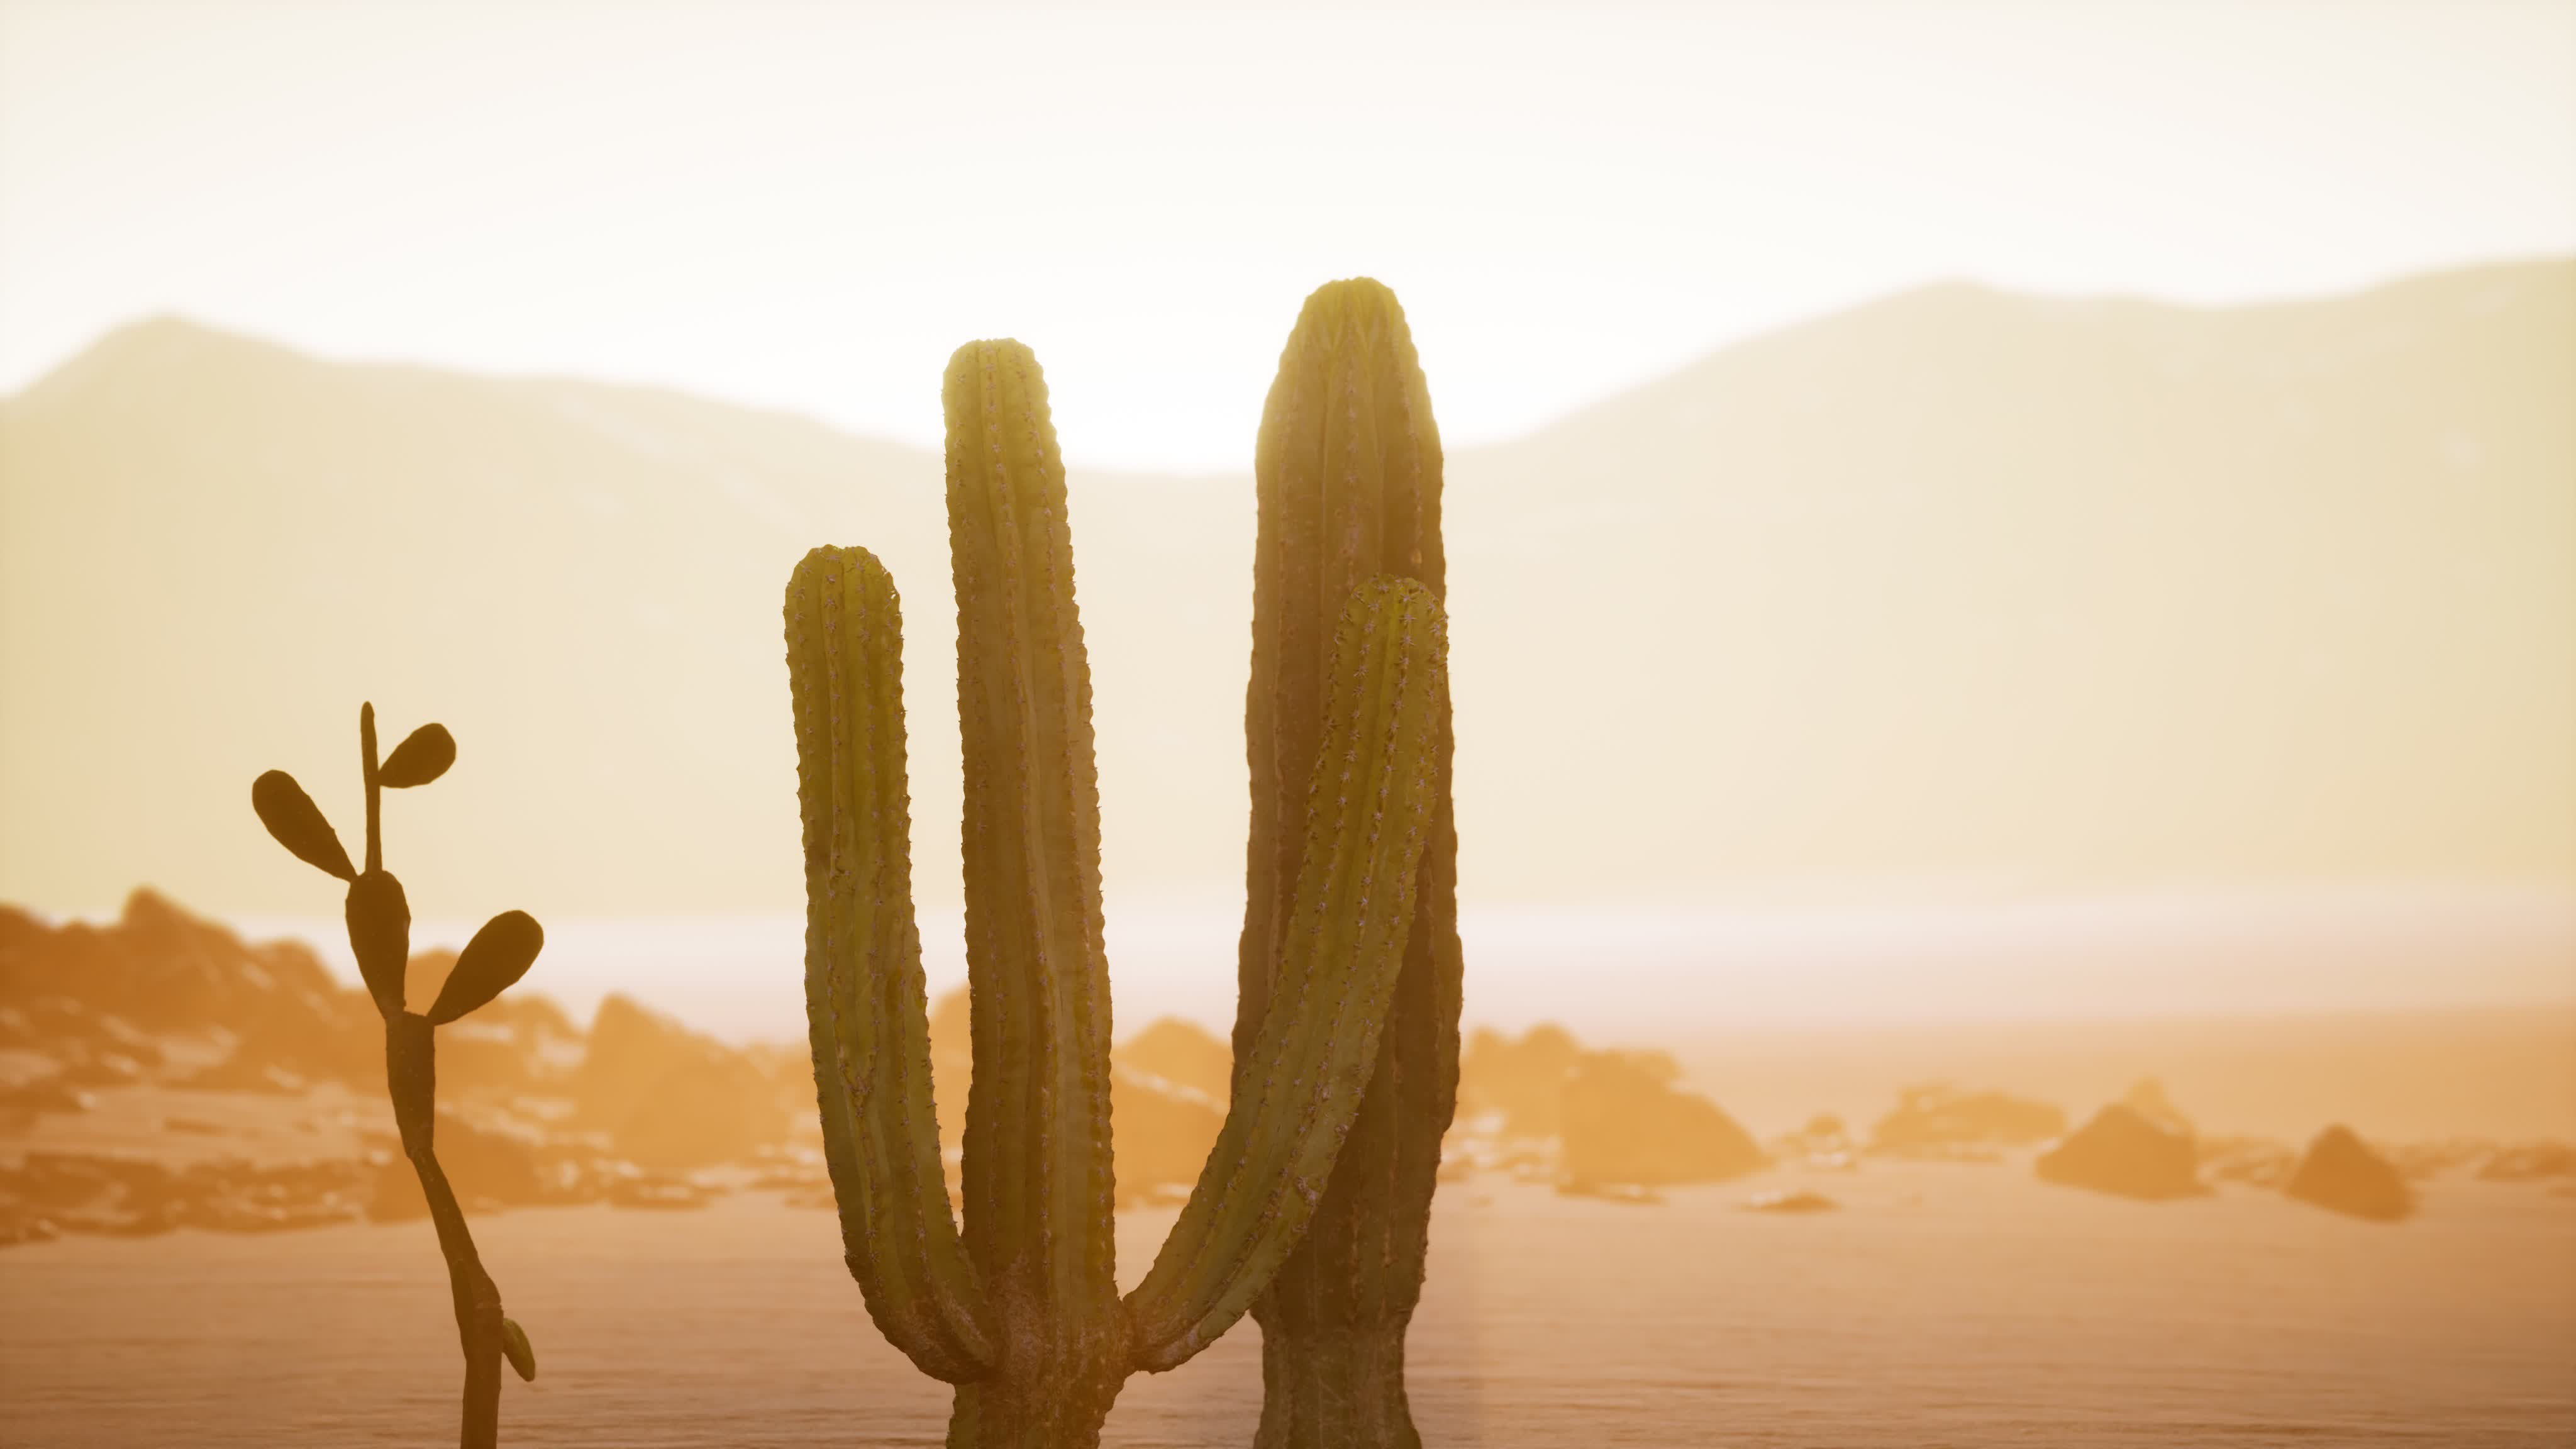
(1348, 472)
(1020, 1310)
(379, 921)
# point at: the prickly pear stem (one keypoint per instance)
(1348, 470)
(411, 1078)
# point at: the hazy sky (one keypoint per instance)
(808, 206)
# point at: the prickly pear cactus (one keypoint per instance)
(379, 919)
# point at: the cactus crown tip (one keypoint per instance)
(988, 351)
(1350, 295)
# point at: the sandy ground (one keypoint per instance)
(1943, 1304)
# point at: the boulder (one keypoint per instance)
(1624, 1123)
(1790, 1203)
(1182, 1053)
(1160, 1134)
(1522, 1080)
(2147, 1098)
(1940, 1121)
(670, 1099)
(486, 1168)
(2341, 1173)
(2124, 1152)
(952, 1066)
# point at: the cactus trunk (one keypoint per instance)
(1349, 473)
(1020, 1310)
(1038, 1186)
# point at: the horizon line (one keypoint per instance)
(2320, 295)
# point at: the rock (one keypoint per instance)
(82, 993)
(1800, 1201)
(1522, 1080)
(952, 1065)
(2530, 1163)
(1183, 1054)
(1167, 1092)
(487, 1169)
(1160, 1135)
(2124, 1152)
(55, 1192)
(1939, 1121)
(2147, 1098)
(2420, 1161)
(1623, 1123)
(1822, 1144)
(2254, 1161)
(1628, 1192)
(670, 1099)
(2342, 1174)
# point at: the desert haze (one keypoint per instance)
(2020, 861)
(1957, 592)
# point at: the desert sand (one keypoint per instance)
(1944, 1303)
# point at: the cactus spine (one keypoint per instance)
(1020, 1310)
(1348, 471)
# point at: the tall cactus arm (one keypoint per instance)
(1348, 470)
(1039, 1193)
(1371, 809)
(1349, 477)
(865, 1003)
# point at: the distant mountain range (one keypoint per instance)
(1958, 590)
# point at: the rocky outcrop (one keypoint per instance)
(2124, 1152)
(1522, 1081)
(97, 998)
(1624, 1123)
(2341, 1173)
(49, 1194)
(2531, 1162)
(2147, 1098)
(1181, 1054)
(489, 1169)
(670, 1099)
(2253, 1161)
(1160, 1135)
(1940, 1121)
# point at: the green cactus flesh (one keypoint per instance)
(1348, 471)
(1020, 1309)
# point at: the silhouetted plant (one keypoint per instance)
(1020, 1309)
(379, 921)
(1348, 473)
